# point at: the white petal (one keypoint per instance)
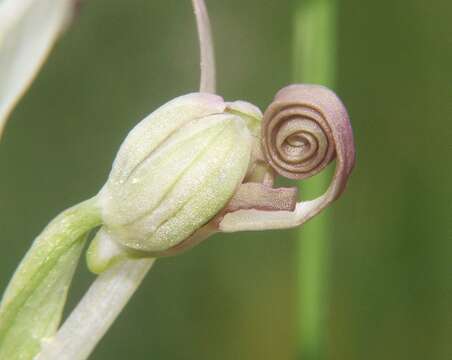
(28, 29)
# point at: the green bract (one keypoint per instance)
(174, 172)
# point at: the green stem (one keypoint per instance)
(314, 62)
(96, 312)
(33, 302)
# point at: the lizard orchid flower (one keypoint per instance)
(195, 166)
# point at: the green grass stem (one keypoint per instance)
(314, 58)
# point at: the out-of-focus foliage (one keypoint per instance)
(28, 29)
(232, 297)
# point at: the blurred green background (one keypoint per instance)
(234, 296)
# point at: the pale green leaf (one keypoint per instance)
(28, 29)
(32, 305)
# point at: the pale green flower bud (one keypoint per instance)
(174, 172)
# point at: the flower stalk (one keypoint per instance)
(95, 313)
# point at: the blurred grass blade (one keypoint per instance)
(32, 305)
(314, 62)
(28, 29)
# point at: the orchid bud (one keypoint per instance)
(175, 171)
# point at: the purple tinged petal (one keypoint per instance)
(304, 128)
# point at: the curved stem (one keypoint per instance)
(207, 81)
(314, 62)
(95, 313)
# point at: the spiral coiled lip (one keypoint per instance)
(303, 130)
(298, 141)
